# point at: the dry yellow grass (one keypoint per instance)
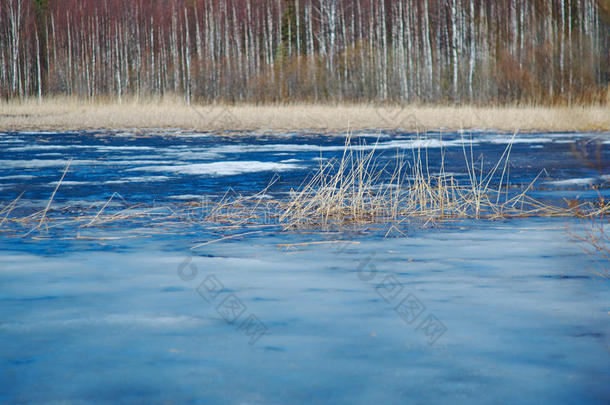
(72, 114)
(355, 190)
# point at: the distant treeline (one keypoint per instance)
(465, 51)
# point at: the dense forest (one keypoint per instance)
(429, 51)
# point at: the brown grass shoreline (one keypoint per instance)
(74, 114)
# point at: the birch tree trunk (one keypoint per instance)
(14, 19)
(472, 58)
(454, 49)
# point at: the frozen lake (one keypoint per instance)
(470, 312)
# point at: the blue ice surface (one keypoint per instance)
(463, 312)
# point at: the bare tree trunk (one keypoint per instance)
(561, 44)
(569, 52)
(38, 69)
(552, 51)
(384, 47)
(298, 26)
(361, 49)
(454, 49)
(174, 49)
(472, 51)
(118, 65)
(187, 86)
(427, 48)
(14, 19)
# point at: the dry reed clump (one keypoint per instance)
(235, 211)
(232, 211)
(356, 190)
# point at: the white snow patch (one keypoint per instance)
(396, 144)
(38, 147)
(99, 148)
(221, 168)
(572, 182)
(71, 183)
(193, 154)
(140, 179)
(42, 132)
(17, 177)
(187, 197)
(38, 163)
(103, 148)
(509, 139)
(133, 162)
(585, 181)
